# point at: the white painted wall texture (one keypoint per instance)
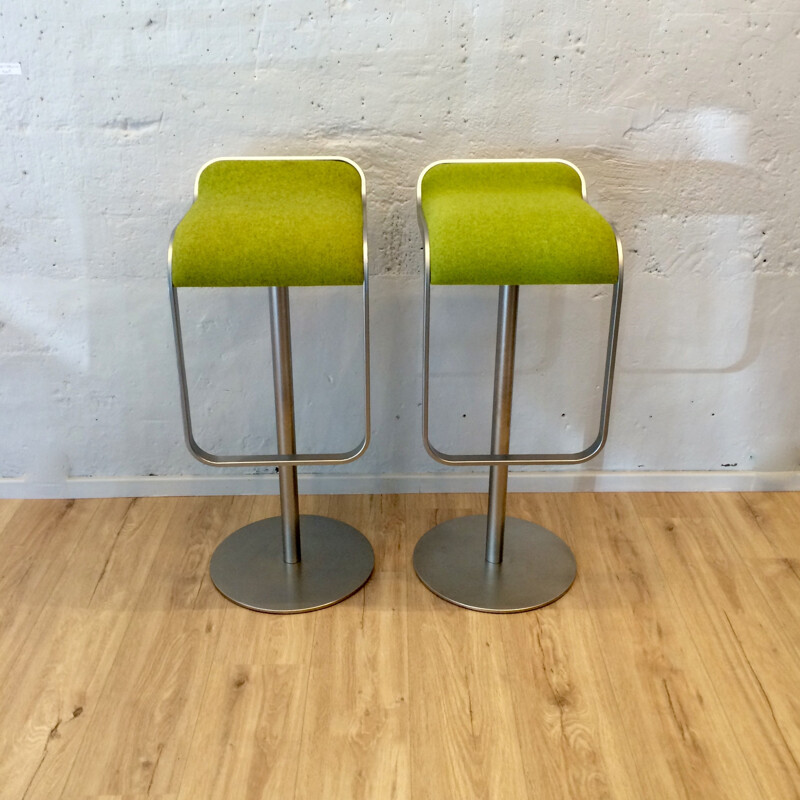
(684, 122)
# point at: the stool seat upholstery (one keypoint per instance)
(514, 223)
(272, 222)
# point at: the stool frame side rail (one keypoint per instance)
(273, 459)
(500, 459)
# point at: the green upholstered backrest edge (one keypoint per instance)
(354, 273)
(342, 159)
(558, 175)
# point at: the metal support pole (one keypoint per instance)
(280, 328)
(507, 304)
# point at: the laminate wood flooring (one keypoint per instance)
(669, 670)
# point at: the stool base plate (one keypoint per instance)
(248, 566)
(537, 567)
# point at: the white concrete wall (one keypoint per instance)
(683, 119)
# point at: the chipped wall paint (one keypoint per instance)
(684, 124)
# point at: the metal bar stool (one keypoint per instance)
(279, 222)
(507, 223)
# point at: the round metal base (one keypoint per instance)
(248, 566)
(537, 567)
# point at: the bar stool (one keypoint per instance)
(507, 223)
(279, 222)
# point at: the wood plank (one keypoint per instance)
(381, 518)
(48, 694)
(133, 797)
(668, 670)
(69, 651)
(777, 514)
(741, 643)
(678, 727)
(355, 723)
(51, 527)
(251, 719)
(462, 716)
(757, 541)
(146, 715)
(770, 548)
(38, 543)
(567, 713)
(7, 510)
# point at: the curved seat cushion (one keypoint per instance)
(272, 222)
(509, 223)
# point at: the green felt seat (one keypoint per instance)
(272, 222)
(514, 223)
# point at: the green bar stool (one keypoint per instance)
(279, 222)
(508, 223)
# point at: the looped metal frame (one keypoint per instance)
(529, 459)
(272, 459)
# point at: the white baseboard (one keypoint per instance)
(552, 481)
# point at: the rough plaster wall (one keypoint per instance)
(684, 122)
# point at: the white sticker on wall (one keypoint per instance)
(12, 68)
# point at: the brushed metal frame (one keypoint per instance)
(272, 459)
(491, 459)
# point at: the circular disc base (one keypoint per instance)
(248, 566)
(537, 567)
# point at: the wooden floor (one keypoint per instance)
(671, 669)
